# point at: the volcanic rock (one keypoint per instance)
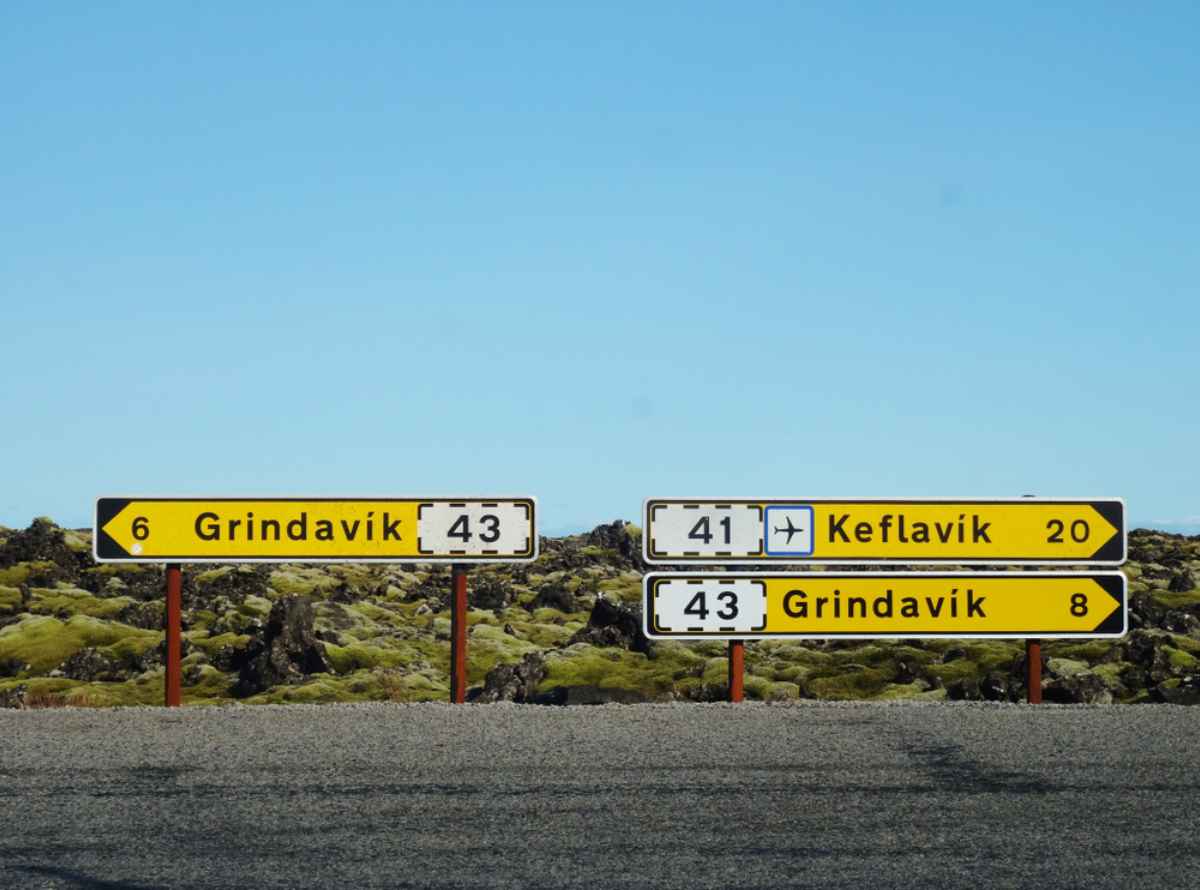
(514, 682)
(554, 596)
(43, 541)
(489, 593)
(1081, 688)
(1186, 692)
(89, 664)
(614, 624)
(10, 667)
(286, 652)
(615, 536)
(1182, 581)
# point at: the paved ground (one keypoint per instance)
(615, 796)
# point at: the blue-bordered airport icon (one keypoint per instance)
(788, 530)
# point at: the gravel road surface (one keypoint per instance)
(347, 796)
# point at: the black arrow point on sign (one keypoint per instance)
(106, 509)
(1114, 513)
(1115, 587)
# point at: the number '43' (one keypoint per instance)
(698, 606)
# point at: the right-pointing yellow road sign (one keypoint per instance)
(1013, 530)
(869, 605)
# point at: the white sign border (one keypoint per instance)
(462, 559)
(717, 637)
(802, 560)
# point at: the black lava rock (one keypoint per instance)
(555, 596)
(286, 652)
(614, 624)
(514, 682)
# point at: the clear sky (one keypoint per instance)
(600, 254)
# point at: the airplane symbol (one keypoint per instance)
(791, 530)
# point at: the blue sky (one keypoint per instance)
(599, 255)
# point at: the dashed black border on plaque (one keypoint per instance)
(526, 550)
(709, 579)
(653, 552)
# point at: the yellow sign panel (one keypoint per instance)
(1029, 530)
(870, 605)
(315, 529)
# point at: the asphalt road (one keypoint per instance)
(616, 796)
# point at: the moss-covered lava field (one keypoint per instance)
(564, 629)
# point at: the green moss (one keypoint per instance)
(490, 645)
(211, 645)
(44, 642)
(80, 542)
(73, 601)
(1187, 644)
(791, 673)
(782, 692)
(1089, 651)
(1110, 672)
(362, 685)
(851, 684)
(212, 686)
(312, 692)
(313, 582)
(203, 619)
(959, 669)
(128, 650)
(904, 691)
(1184, 600)
(762, 689)
(544, 636)
(1182, 661)
(10, 600)
(993, 655)
(788, 653)
(584, 665)
(210, 575)
(1066, 667)
(255, 607)
(360, 656)
(16, 574)
(377, 614)
(627, 588)
(147, 690)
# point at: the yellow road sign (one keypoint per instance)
(1014, 530)
(820, 605)
(155, 529)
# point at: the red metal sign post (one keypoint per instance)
(1033, 671)
(737, 664)
(174, 621)
(458, 636)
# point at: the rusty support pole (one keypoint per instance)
(1033, 663)
(737, 663)
(458, 636)
(173, 694)
(1033, 671)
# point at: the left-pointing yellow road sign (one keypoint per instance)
(472, 529)
(868, 605)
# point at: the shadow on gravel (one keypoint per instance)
(79, 879)
(950, 765)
